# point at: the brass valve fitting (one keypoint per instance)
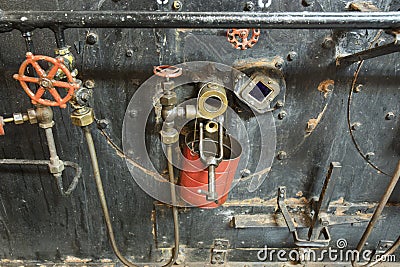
(213, 101)
(83, 116)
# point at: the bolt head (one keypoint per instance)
(282, 115)
(91, 38)
(177, 5)
(328, 42)
(370, 155)
(129, 53)
(291, 56)
(356, 126)
(390, 116)
(89, 84)
(249, 6)
(245, 172)
(282, 155)
(358, 88)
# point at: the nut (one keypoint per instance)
(170, 137)
(32, 116)
(169, 99)
(82, 117)
(56, 166)
(18, 118)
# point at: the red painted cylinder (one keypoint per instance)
(194, 174)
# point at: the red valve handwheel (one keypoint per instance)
(240, 39)
(46, 81)
(167, 71)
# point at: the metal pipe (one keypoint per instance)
(28, 20)
(71, 187)
(104, 206)
(103, 201)
(378, 211)
(51, 144)
(174, 208)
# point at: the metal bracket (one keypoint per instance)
(288, 219)
(320, 220)
(219, 251)
(378, 51)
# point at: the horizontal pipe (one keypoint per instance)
(28, 20)
(35, 162)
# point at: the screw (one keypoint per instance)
(91, 38)
(292, 56)
(358, 88)
(245, 172)
(390, 116)
(249, 6)
(89, 84)
(370, 155)
(356, 126)
(328, 42)
(129, 53)
(282, 115)
(282, 155)
(177, 5)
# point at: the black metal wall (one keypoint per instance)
(36, 223)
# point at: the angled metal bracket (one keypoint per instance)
(289, 222)
(320, 221)
(378, 51)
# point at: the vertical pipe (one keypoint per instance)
(174, 208)
(51, 144)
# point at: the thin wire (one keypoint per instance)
(357, 72)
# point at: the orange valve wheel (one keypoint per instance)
(167, 71)
(46, 81)
(242, 39)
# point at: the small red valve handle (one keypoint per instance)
(46, 81)
(167, 71)
(2, 126)
(241, 38)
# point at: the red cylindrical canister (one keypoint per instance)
(194, 174)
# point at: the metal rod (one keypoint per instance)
(212, 190)
(378, 211)
(27, 20)
(71, 187)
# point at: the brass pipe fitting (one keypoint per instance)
(82, 116)
(213, 101)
